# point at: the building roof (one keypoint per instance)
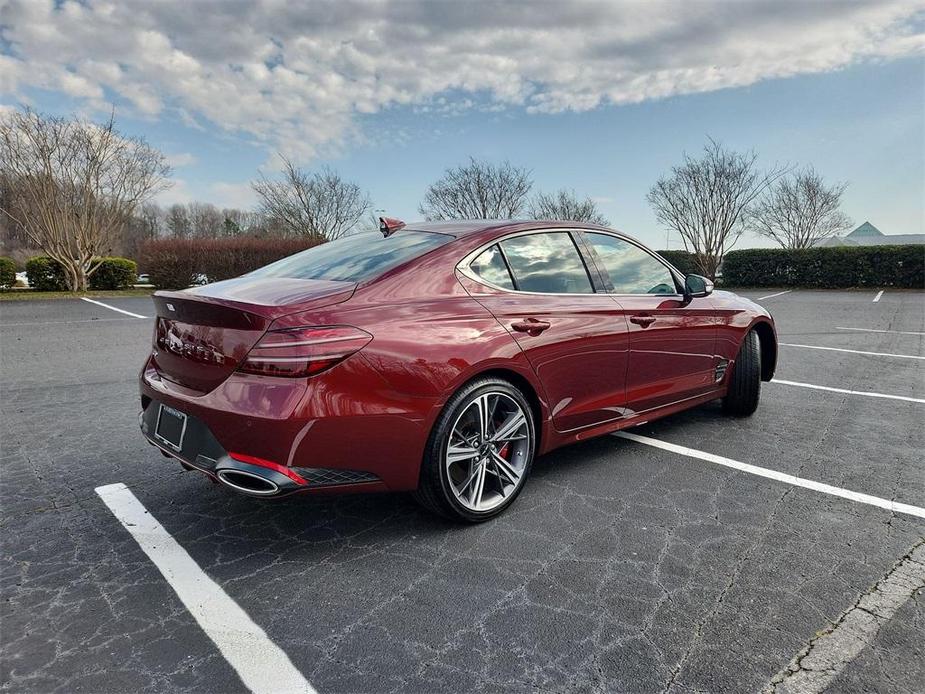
(834, 242)
(865, 230)
(869, 235)
(890, 240)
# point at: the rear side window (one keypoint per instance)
(631, 269)
(547, 263)
(355, 258)
(490, 266)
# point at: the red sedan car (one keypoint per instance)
(439, 359)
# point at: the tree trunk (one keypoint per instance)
(76, 275)
(707, 264)
(71, 274)
(81, 279)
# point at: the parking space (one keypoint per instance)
(71, 311)
(622, 567)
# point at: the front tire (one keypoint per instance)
(479, 453)
(745, 382)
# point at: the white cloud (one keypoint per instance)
(236, 195)
(294, 76)
(222, 194)
(181, 159)
(178, 193)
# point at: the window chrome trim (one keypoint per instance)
(463, 265)
(672, 270)
(472, 274)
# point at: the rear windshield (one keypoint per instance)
(355, 258)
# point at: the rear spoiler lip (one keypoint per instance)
(338, 293)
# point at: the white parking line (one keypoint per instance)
(853, 351)
(848, 392)
(771, 296)
(877, 298)
(67, 322)
(892, 332)
(260, 663)
(112, 308)
(886, 504)
(828, 653)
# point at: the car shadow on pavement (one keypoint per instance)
(208, 520)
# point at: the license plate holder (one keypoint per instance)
(170, 427)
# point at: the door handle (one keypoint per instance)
(642, 321)
(531, 326)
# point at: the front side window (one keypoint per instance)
(548, 263)
(631, 269)
(355, 258)
(490, 266)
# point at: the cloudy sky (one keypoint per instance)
(601, 97)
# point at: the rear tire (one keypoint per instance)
(745, 382)
(488, 464)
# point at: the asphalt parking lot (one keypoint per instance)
(622, 567)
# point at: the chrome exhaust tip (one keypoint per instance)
(247, 482)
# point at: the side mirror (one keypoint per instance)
(696, 286)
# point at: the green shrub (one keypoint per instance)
(682, 260)
(45, 274)
(838, 267)
(7, 272)
(114, 273)
(178, 263)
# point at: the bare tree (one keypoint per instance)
(178, 223)
(800, 210)
(205, 219)
(237, 222)
(77, 184)
(371, 222)
(707, 201)
(478, 190)
(145, 224)
(565, 205)
(10, 230)
(312, 204)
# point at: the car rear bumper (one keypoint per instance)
(201, 451)
(324, 434)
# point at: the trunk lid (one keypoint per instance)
(202, 334)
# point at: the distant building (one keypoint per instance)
(869, 235)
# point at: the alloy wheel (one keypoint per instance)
(487, 452)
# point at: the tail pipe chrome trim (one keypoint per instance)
(253, 480)
(248, 483)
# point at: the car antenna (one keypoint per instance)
(389, 225)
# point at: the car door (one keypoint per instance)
(672, 339)
(538, 286)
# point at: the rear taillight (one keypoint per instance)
(300, 352)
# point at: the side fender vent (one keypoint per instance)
(721, 370)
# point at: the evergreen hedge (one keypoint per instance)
(47, 275)
(830, 268)
(114, 273)
(682, 260)
(7, 272)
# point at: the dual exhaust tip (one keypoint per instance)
(247, 482)
(253, 480)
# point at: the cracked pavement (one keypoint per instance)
(621, 568)
(827, 655)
